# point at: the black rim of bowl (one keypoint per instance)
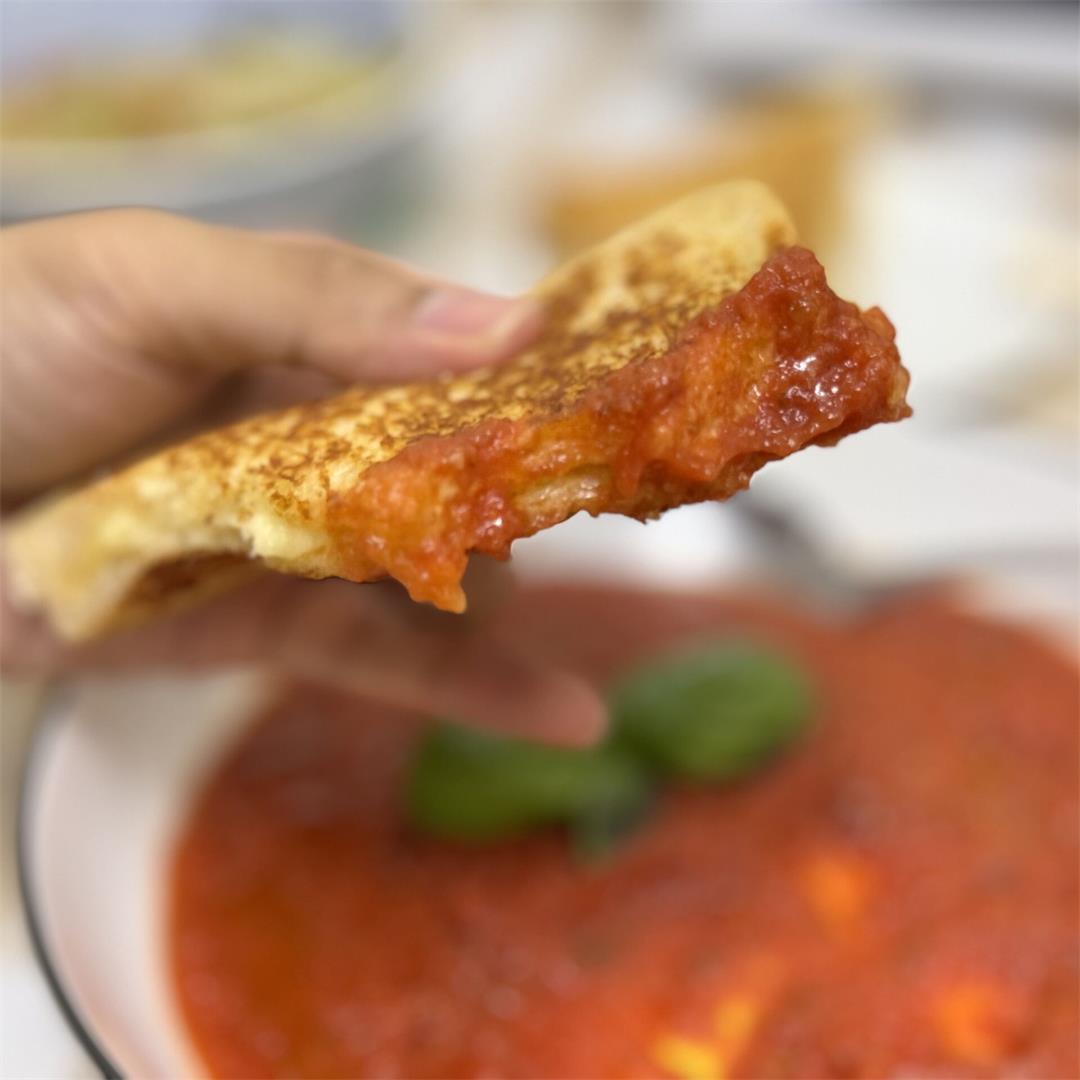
(50, 716)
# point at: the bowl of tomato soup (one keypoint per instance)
(227, 877)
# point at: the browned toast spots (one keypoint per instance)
(677, 358)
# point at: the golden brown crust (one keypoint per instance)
(273, 489)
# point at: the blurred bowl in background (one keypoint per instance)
(312, 116)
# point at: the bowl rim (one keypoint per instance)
(51, 714)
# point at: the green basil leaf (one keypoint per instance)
(475, 785)
(712, 712)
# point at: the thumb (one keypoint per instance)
(248, 299)
(117, 322)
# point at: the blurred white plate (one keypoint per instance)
(318, 165)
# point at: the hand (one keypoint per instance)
(122, 327)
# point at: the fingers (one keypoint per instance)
(223, 298)
(122, 320)
(381, 647)
(118, 324)
(369, 641)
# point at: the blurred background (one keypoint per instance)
(928, 152)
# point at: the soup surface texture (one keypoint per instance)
(896, 896)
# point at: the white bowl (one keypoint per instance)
(116, 762)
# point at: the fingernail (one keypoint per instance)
(583, 731)
(451, 311)
(572, 714)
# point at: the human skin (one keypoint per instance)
(124, 328)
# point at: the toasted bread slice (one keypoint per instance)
(678, 357)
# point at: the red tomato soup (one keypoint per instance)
(894, 897)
